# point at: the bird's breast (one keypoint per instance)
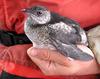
(39, 37)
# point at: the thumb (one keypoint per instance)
(42, 64)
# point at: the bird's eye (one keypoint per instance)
(39, 13)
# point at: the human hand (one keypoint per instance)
(53, 63)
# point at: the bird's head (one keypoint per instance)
(39, 14)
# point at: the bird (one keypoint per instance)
(50, 30)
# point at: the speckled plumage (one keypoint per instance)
(49, 30)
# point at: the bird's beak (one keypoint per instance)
(27, 10)
(24, 10)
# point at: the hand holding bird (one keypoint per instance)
(54, 63)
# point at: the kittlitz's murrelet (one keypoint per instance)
(50, 30)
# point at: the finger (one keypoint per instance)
(49, 55)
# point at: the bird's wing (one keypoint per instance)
(57, 18)
(78, 29)
(63, 32)
(63, 36)
(70, 50)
